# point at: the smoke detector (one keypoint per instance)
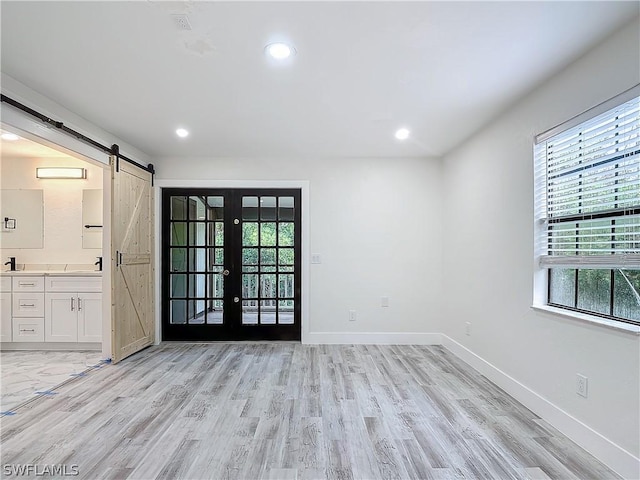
(181, 21)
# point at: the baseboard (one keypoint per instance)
(612, 455)
(372, 338)
(50, 346)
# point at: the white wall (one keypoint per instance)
(62, 209)
(488, 263)
(376, 224)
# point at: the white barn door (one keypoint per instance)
(132, 241)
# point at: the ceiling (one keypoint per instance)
(25, 148)
(362, 69)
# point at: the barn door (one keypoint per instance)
(132, 310)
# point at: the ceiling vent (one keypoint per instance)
(181, 21)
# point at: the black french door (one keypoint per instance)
(231, 262)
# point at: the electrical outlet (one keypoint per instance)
(384, 301)
(316, 258)
(582, 385)
(352, 315)
(467, 328)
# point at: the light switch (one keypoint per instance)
(315, 258)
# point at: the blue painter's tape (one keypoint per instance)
(81, 374)
(8, 413)
(46, 392)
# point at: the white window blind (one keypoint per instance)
(588, 192)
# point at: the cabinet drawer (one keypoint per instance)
(28, 329)
(28, 284)
(73, 284)
(5, 284)
(28, 305)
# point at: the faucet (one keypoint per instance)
(99, 263)
(12, 263)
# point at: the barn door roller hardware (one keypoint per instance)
(113, 150)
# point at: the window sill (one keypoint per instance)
(605, 322)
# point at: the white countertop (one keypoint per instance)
(78, 273)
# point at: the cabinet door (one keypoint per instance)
(5, 317)
(61, 317)
(89, 317)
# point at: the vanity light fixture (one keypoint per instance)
(61, 172)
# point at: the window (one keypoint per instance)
(588, 210)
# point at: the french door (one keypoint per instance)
(231, 264)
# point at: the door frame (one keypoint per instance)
(302, 185)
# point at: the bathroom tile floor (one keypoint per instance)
(25, 373)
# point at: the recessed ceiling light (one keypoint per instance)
(280, 51)
(181, 132)
(10, 136)
(402, 134)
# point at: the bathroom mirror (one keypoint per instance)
(21, 219)
(92, 218)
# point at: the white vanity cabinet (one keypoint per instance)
(27, 309)
(5, 309)
(73, 309)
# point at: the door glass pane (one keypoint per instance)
(285, 312)
(178, 311)
(267, 312)
(267, 208)
(178, 208)
(268, 285)
(197, 208)
(285, 256)
(215, 286)
(197, 312)
(250, 234)
(286, 209)
(285, 285)
(562, 288)
(219, 234)
(197, 285)
(626, 294)
(218, 258)
(249, 208)
(250, 312)
(178, 286)
(197, 259)
(285, 234)
(249, 256)
(178, 234)
(268, 234)
(197, 233)
(216, 208)
(267, 256)
(249, 286)
(594, 290)
(215, 312)
(178, 260)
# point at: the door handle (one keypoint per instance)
(236, 299)
(225, 272)
(72, 305)
(79, 304)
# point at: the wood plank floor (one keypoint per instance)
(291, 411)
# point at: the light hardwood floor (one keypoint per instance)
(291, 411)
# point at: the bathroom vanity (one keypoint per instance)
(51, 309)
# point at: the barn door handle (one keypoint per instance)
(118, 258)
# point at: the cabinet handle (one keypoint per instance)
(72, 306)
(79, 304)
(23, 330)
(27, 305)
(24, 284)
